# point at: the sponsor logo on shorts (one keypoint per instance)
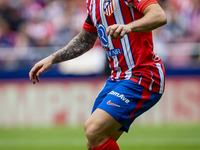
(109, 103)
(126, 100)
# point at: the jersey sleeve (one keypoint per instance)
(140, 5)
(88, 25)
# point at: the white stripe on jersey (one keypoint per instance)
(90, 6)
(150, 87)
(94, 13)
(105, 23)
(161, 74)
(140, 79)
(124, 42)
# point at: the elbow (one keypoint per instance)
(162, 19)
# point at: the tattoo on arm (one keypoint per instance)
(80, 44)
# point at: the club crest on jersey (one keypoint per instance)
(109, 7)
(155, 57)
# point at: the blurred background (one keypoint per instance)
(33, 29)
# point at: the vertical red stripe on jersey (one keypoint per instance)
(126, 13)
(145, 97)
(112, 6)
(111, 21)
(98, 17)
(90, 8)
(117, 44)
(128, 18)
(163, 68)
(156, 77)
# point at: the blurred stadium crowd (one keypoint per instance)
(183, 21)
(22, 21)
(39, 22)
(49, 23)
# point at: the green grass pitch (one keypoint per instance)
(148, 137)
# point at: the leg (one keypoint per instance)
(100, 126)
(114, 135)
(130, 100)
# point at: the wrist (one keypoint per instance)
(130, 28)
(51, 59)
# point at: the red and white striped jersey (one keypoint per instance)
(131, 57)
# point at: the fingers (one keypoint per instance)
(111, 30)
(41, 71)
(117, 30)
(33, 74)
(39, 68)
(37, 79)
(123, 32)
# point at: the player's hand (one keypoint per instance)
(118, 30)
(39, 68)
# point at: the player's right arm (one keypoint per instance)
(80, 44)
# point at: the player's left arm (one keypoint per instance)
(154, 17)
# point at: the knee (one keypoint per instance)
(90, 130)
(94, 132)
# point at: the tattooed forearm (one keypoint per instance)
(80, 44)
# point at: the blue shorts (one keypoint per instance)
(125, 100)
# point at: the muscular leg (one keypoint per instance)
(114, 135)
(100, 127)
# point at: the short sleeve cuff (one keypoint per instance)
(88, 27)
(144, 3)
